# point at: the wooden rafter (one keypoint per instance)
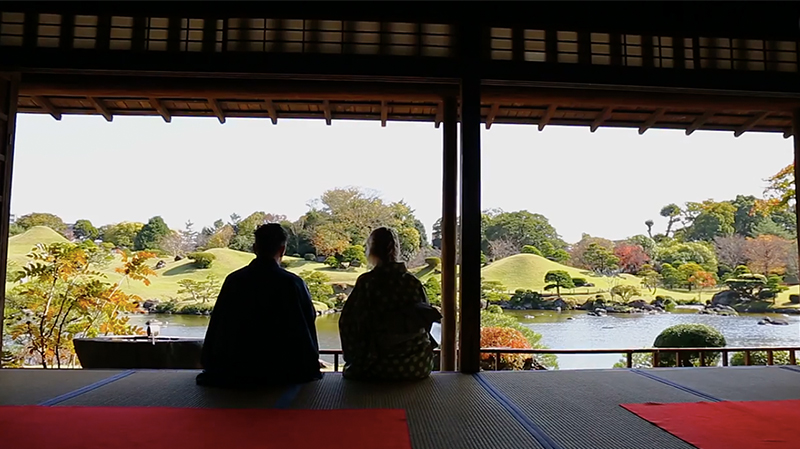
(605, 114)
(439, 114)
(273, 114)
(48, 106)
(161, 109)
(326, 109)
(787, 134)
(750, 124)
(655, 117)
(548, 114)
(217, 109)
(492, 114)
(698, 122)
(101, 108)
(384, 113)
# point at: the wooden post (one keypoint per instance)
(470, 269)
(9, 84)
(449, 211)
(796, 139)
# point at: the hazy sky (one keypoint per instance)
(605, 183)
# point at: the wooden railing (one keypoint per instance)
(682, 354)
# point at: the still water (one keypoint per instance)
(559, 332)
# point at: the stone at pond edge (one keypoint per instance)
(725, 298)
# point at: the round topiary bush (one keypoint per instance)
(310, 257)
(494, 308)
(689, 336)
(433, 262)
(503, 337)
(332, 262)
(530, 249)
(760, 358)
(794, 299)
(202, 259)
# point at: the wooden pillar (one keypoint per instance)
(449, 211)
(470, 270)
(796, 140)
(9, 83)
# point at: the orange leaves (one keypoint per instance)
(503, 337)
(702, 279)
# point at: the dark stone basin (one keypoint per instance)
(139, 352)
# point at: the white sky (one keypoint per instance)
(605, 183)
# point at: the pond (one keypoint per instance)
(558, 332)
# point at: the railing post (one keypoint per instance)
(656, 358)
(724, 358)
(747, 358)
(336, 362)
(629, 356)
(770, 357)
(497, 361)
(702, 358)
(792, 357)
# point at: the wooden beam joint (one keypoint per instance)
(698, 122)
(101, 108)
(548, 114)
(161, 109)
(273, 114)
(49, 107)
(385, 114)
(215, 106)
(655, 117)
(439, 114)
(326, 109)
(492, 114)
(750, 123)
(605, 114)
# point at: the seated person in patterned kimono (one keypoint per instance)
(386, 321)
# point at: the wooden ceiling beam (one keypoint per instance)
(161, 109)
(45, 104)
(215, 106)
(698, 122)
(101, 108)
(750, 124)
(492, 114)
(437, 122)
(385, 113)
(548, 114)
(273, 114)
(655, 117)
(604, 115)
(326, 109)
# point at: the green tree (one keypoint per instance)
(409, 242)
(524, 228)
(670, 276)
(433, 290)
(577, 251)
(355, 253)
(121, 235)
(84, 230)
(493, 292)
(530, 249)
(600, 259)
(710, 219)
(318, 286)
(686, 271)
(650, 279)
(558, 279)
(624, 291)
(221, 238)
(151, 234)
(672, 213)
(203, 291)
(677, 253)
(53, 222)
(647, 244)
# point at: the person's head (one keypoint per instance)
(383, 246)
(270, 241)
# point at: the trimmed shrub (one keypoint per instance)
(794, 299)
(760, 358)
(354, 253)
(297, 256)
(170, 307)
(310, 257)
(332, 262)
(579, 282)
(197, 309)
(433, 262)
(689, 336)
(503, 337)
(530, 249)
(202, 259)
(494, 308)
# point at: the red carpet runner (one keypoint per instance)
(728, 425)
(172, 428)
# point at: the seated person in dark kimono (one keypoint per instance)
(386, 321)
(262, 328)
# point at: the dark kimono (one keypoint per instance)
(382, 337)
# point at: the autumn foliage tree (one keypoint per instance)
(631, 257)
(64, 297)
(503, 337)
(767, 254)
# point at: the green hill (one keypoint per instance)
(20, 245)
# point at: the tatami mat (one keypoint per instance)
(444, 411)
(173, 389)
(32, 386)
(750, 383)
(581, 409)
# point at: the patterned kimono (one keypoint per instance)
(379, 340)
